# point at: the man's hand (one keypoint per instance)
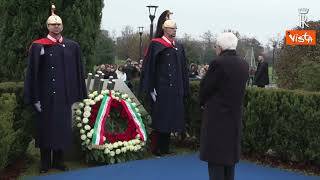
(154, 95)
(38, 106)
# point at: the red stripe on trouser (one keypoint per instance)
(154, 137)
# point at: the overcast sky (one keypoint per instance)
(262, 19)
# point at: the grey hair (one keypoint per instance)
(227, 41)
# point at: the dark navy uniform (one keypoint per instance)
(55, 78)
(165, 71)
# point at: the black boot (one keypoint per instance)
(166, 148)
(45, 160)
(165, 143)
(57, 161)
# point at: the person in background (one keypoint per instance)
(193, 73)
(121, 74)
(261, 78)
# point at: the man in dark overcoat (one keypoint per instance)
(54, 81)
(261, 78)
(165, 80)
(221, 98)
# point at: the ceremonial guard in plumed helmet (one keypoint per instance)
(54, 81)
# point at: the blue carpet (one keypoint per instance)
(187, 167)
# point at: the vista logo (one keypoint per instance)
(301, 37)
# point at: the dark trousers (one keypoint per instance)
(160, 142)
(50, 158)
(220, 172)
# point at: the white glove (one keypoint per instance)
(38, 106)
(154, 95)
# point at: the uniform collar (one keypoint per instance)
(170, 41)
(54, 39)
(228, 53)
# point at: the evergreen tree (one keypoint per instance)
(105, 49)
(24, 21)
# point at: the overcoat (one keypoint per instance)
(222, 93)
(165, 71)
(261, 77)
(54, 77)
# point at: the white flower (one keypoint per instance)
(85, 120)
(115, 145)
(125, 143)
(78, 118)
(88, 141)
(89, 135)
(95, 93)
(92, 131)
(110, 146)
(106, 151)
(100, 96)
(87, 127)
(129, 100)
(118, 151)
(90, 96)
(78, 112)
(131, 148)
(113, 92)
(92, 102)
(133, 142)
(86, 114)
(81, 105)
(124, 96)
(138, 136)
(120, 143)
(117, 98)
(123, 149)
(139, 114)
(96, 99)
(87, 108)
(82, 131)
(88, 102)
(135, 149)
(112, 153)
(137, 110)
(83, 137)
(90, 147)
(138, 147)
(79, 125)
(143, 143)
(103, 92)
(134, 104)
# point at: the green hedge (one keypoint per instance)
(16, 123)
(277, 122)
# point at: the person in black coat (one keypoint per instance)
(261, 76)
(54, 81)
(221, 98)
(165, 81)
